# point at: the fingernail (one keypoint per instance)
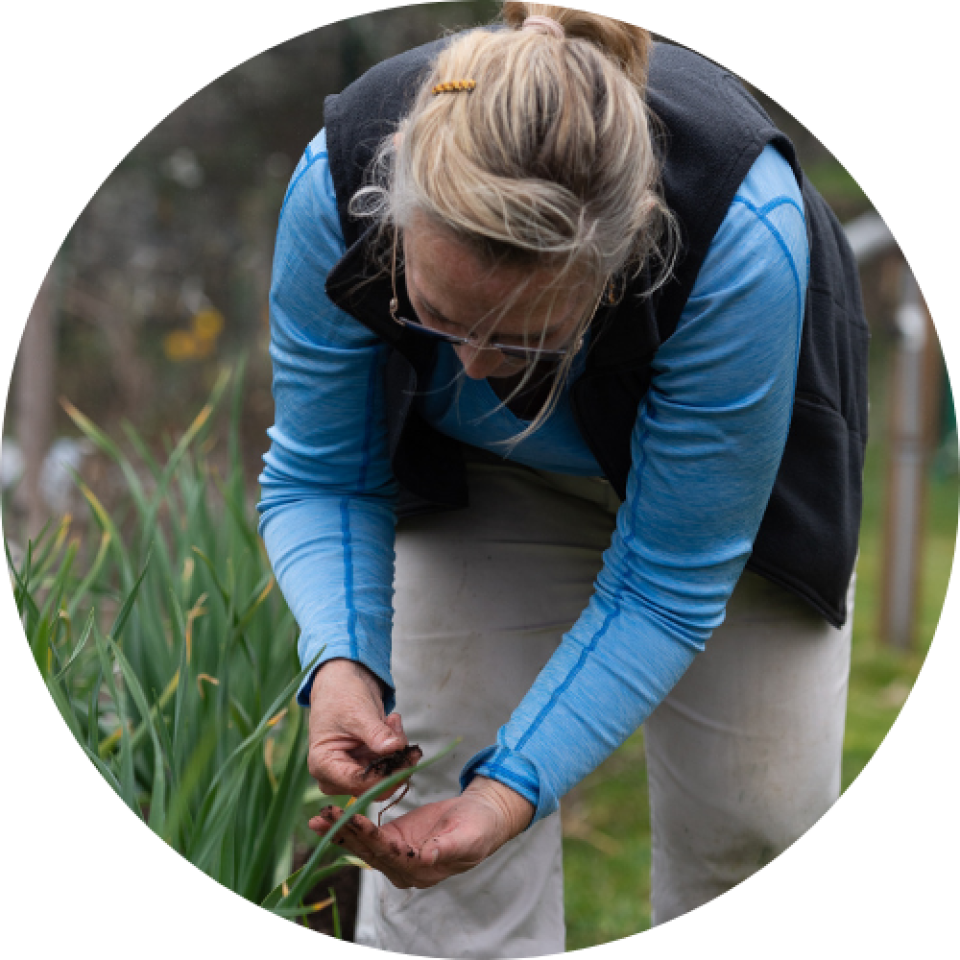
(435, 856)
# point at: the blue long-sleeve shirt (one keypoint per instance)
(705, 448)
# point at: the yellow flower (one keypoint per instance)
(179, 346)
(208, 324)
(199, 342)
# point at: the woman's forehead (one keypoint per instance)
(465, 289)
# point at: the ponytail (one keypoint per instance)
(624, 44)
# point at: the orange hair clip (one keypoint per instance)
(454, 86)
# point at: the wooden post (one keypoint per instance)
(36, 403)
(913, 402)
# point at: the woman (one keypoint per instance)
(562, 301)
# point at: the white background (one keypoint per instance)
(84, 81)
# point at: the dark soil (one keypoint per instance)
(408, 756)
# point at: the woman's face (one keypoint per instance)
(452, 290)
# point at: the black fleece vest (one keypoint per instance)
(714, 130)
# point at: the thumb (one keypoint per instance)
(450, 849)
(379, 736)
(431, 851)
(396, 725)
(449, 842)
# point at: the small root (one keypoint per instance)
(392, 803)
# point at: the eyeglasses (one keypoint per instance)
(532, 354)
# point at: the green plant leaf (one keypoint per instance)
(260, 731)
(291, 913)
(100, 439)
(180, 697)
(337, 932)
(222, 795)
(284, 807)
(109, 527)
(26, 606)
(66, 708)
(179, 825)
(78, 648)
(44, 637)
(240, 718)
(272, 901)
(195, 428)
(214, 575)
(124, 615)
(81, 592)
(53, 542)
(103, 769)
(143, 451)
(216, 813)
(126, 782)
(39, 644)
(235, 506)
(158, 795)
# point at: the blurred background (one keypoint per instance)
(164, 279)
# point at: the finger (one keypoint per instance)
(394, 722)
(387, 852)
(323, 823)
(451, 852)
(366, 835)
(359, 833)
(378, 734)
(337, 773)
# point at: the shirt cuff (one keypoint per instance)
(377, 662)
(516, 772)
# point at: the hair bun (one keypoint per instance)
(543, 25)
(626, 45)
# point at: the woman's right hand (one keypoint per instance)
(348, 729)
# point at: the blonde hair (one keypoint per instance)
(548, 163)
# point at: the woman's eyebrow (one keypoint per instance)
(520, 339)
(495, 336)
(436, 313)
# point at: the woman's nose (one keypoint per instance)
(478, 364)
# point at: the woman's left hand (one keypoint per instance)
(437, 840)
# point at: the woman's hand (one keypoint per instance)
(437, 840)
(348, 729)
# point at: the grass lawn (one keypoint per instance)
(607, 817)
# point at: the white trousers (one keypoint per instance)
(743, 755)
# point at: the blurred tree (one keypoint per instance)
(183, 228)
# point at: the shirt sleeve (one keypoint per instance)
(706, 447)
(327, 491)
